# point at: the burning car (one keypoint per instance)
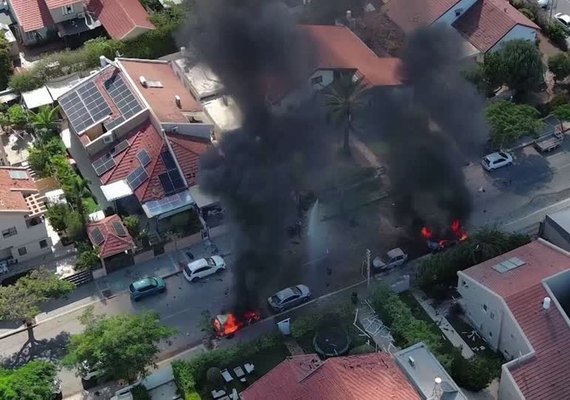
(226, 325)
(454, 235)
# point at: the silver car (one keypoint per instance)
(290, 297)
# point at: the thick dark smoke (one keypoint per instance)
(256, 50)
(431, 127)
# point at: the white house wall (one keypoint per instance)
(551, 232)
(327, 77)
(518, 32)
(58, 15)
(455, 12)
(28, 237)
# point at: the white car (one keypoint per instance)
(392, 259)
(496, 160)
(563, 19)
(203, 267)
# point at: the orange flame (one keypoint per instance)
(458, 231)
(426, 233)
(228, 324)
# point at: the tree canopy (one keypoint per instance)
(125, 345)
(5, 63)
(510, 121)
(33, 381)
(559, 65)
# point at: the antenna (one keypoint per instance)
(437, 390)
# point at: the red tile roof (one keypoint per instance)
(53, 4)
(11, 190)
(545, 375)
(187, 151)
(541, 261)
(362, 377)
(339, 48)
(161, 100)
(412, 14)
(32, 15)
(120, 17)
(146, 137)
(488, 21)
(112, 243)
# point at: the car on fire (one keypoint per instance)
(392, 259)
(496, 160)
(203, 267)
(289, 297)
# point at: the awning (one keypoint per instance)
(167, 204)
(116, 190)
(37, 98)
(200, 198)
(7, 97)
(5, 18)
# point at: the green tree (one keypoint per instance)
(557, 34)
(33, 381)
(509, 121)
(5, 63)
(125, 345)
(562, 112)
(476, 373)
(76, 227)
(56, 215)
(559, 65)
(41, 155)
(26, 80)
(214, 377)
(17, 116)
(521, 65)
(343, 98)
(77, 189)
(87, 259)
(21, 301)
(132, 224)
(44, 120)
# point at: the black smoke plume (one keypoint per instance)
(430, 127)
(256, 50)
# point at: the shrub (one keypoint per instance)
(87, 259)
(139, 392)
(559, 99)
(56, 215)
(25, 80)
(132, 224)
(305, 325)
(75, 226)
(557, 34)
(528, 13)
(476, 373)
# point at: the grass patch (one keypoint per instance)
(90, 205)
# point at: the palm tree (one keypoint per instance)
(342, 98)
(78, 189)
(44, 120)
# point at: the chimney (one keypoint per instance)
(183, 51)
(142, 80)
(546, 303)
(103, 61)
(412, 361)
(349, 15)
(178, 101)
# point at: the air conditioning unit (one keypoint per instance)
(108, 139)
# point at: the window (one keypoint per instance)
(22, 251)
(464, 284)
(66, 10)
(316, 80)
(9, 232)
(43, 244)
(485, 307)
(492, 315)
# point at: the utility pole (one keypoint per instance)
(368, 256)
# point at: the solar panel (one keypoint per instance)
(119, 229)
(122, 96)
(137, 177)
(103, 164)
(94, 101)
(96, 236)
(78, 116)
(114, 123)
(143, 158)
(120, 148)
(168, 160)
(169, 203)
(18, 174)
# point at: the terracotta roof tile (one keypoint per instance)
(339, 48)
(12, 190)
(362, 377)
(120, 17)
(412, 14)
(112, 243)
(187, 151)
(53, 4)
(32, 14)
(161, 100)
(488, 21)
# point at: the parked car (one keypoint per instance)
(549, 142)
(146, 287)
(289, 297)
(203, 267)
(564, 19)
(391, 259)
(496, 160)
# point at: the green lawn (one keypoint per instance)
(264, 362)
(90, 205)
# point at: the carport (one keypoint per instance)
(115, 244)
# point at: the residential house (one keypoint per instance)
(137, 133)
(24, 230)
(364, 377)
(484, 24)
(519, 303)
(112, 239)
(556, 229)
(41, 20)
(338, 52)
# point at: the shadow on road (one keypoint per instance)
(530, 172)
(46, 349)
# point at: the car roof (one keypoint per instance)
(395, 253)
(285, 293)
(143, 283)
(194, 265)
(563, 17)
(494, 156)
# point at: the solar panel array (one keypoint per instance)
(143, 158)
(84, 106)
(171, 180)
(122, 146)
(18, 174)
(122, 96)
(120, 229)
(103, 164)
(168, 160)
(508, 265)
(168, 203)
(96, 236)
(137, 177)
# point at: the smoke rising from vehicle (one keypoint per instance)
(429, 129)
(255, 49)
